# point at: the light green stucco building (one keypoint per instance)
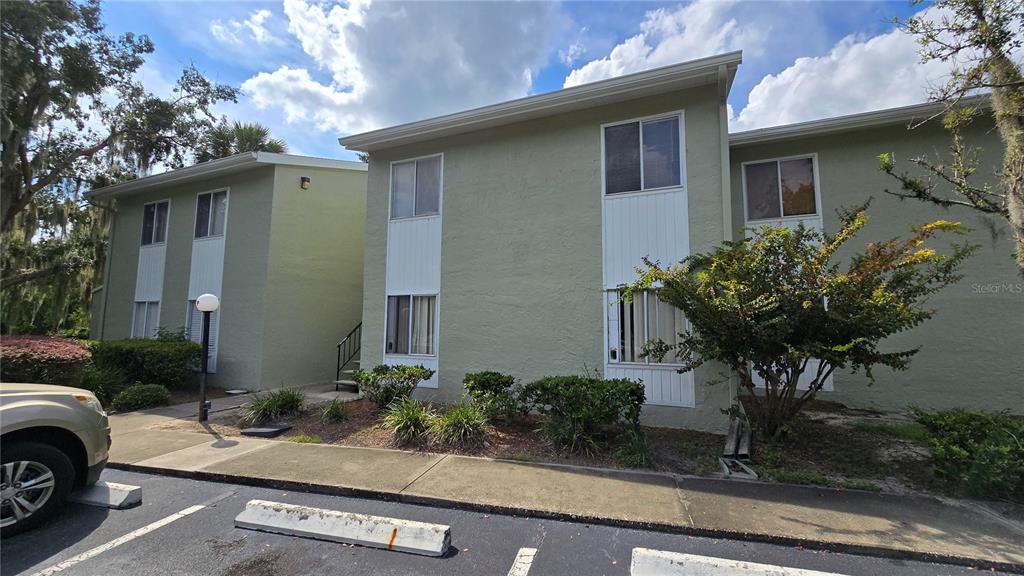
(496, 238)
(278, 238)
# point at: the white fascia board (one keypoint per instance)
(308, 161)
(650, 82)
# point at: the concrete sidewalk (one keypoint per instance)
(842, 520)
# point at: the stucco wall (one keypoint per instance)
(521, 268)
(245, 268)
(970, 351)
(314, 286)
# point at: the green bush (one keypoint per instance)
(580, 412)
(171, 363)
(634, 451)
(408, 420)
(980, 452)
(385, 384)
(496, 394)
(271, 406)
(140, 397)
(104, 381)
(42, 360)
(460, 424)
(334, 411)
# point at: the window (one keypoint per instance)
(146, 319)
(154, 222)
(645, 319)
(780, 188)
(211, 214)
(416, 187)
(642, 155)
(411, 325)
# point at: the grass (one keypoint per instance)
(334, 411)
(272, 406)
(811, 478)
(909, 431)
(303, 438)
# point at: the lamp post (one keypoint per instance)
(206, 304)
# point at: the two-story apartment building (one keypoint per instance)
(498, 238)
(277, 237)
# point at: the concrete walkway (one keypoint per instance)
(842, 520)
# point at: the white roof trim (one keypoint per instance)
(221, 166)
(660, 80)
(904, 114)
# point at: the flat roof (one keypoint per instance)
(876, 118)
(221, 167)
(720, 70)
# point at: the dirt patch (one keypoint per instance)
(182, 396)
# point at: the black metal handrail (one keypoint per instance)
(348, 348)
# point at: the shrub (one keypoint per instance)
(634, 451)
(386, 384)
(334, 411)
(104, 381)
(141, 396)
(460, 424)
(171, 363)
(579, 410)
(495, 393)
(303, 438)
(979, 452)
(42, 360)
(408, 420)
(272, 406)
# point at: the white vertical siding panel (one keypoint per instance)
(206, 273)
(410, 360)
(414, 256)
(638, 225)
(663, 386)
(149, 277)
(805, 378)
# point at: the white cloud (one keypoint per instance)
(238, 33)
(570, 55)
(699, 29)
(390, 62)
(858, 74)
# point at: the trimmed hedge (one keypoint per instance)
(140, 397)
(496, 394)
(981, 453)
(169, 363)
(42, 360)
(385, 385)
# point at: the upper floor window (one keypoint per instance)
(211, 214)
(780, 188)
(416, 187)
(154, 222)
(642, 155)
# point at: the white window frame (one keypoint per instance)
(782, 215)
(167, 225)
(437, 324)
(195, 214)
(615, 344)
(680, 114)
(440, 191)
(145, 322)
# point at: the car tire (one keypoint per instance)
(30, 463)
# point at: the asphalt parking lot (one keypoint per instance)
(187, 527)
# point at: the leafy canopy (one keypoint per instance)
(770, 304)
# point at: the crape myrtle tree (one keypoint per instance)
(771, 304)
(74, 115)
(983, 40)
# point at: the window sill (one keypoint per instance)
(648, 192)
(422, 217)
(652, 366)
(413, 356)
(784, 219)
(210, 237)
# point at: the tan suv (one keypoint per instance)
(52, 439)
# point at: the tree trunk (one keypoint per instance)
(1008, 108)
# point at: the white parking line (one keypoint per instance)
(61, 566)
(648, 562)
(524, 559)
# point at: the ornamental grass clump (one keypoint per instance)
(408, 420)
(459, 425)
(272, 406)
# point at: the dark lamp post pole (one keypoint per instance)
(207, 304)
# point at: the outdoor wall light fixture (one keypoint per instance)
(304, 182)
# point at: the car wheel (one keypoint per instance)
(34, 481)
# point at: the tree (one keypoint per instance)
(225, 140)
(980, 37)
(773, 304)
(73, 115)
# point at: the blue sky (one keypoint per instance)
(313, 71)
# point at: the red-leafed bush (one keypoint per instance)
(42, 359)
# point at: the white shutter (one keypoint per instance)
(195, 331)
